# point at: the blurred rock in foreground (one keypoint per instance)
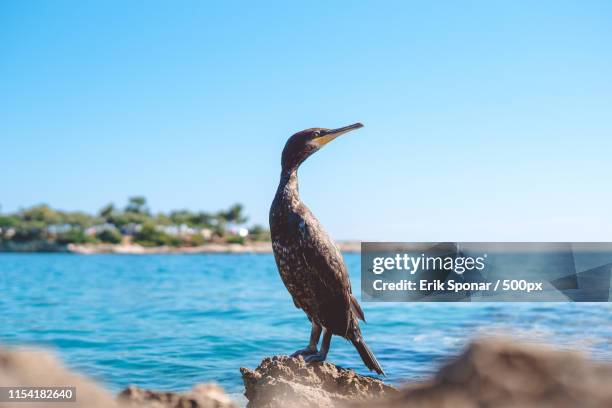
(28, 368)
(490, 373)
(503, 374)
(200, 396)
(283, 381)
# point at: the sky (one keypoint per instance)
(484, 121)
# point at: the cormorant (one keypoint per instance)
(309, 263)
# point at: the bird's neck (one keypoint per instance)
(288, 189)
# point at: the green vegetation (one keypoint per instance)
(133, 224)
(110, 236)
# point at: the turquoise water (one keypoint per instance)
(169, 321)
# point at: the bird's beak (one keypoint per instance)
(331, 134)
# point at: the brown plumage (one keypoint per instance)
(310, 264)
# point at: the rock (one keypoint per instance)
(200, 396)
(290, 382)
(501, 373)
(29, 368)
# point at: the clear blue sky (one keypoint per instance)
(483, 120)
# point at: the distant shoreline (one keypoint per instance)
(254, 248)
(134, 249)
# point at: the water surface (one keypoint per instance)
(169, 321)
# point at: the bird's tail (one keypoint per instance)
(366, 355)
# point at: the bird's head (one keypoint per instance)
(303, 144)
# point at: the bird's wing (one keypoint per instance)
(329, 276)
(323, 257)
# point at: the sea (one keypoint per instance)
(167, 322)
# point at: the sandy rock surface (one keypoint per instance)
(200, 396)
(32, 368)
(283, 381)
(503, 374)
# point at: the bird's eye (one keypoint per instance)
(317, 133)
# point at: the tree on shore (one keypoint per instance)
(137, 205)
(107, 212)
(234, 215)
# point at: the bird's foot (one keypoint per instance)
(315, 357)
(304, 352)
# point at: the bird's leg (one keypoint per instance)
(322, 354)
(315, 333)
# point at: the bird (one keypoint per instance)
(309, 263)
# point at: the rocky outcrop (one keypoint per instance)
(30, 368)
(200, 396)
(290, 382)
(503, 374)
(490, 373)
